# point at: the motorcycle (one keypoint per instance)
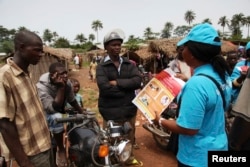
(160, 134)
(89, 145)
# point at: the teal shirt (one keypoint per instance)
(202, 108)
(78, 98)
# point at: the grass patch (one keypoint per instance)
(90, 100)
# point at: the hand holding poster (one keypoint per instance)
(158, 93)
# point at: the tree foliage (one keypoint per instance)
(167, 30)
(47, 36)
(62, 43)
(181, 31)
(234, 24)
(81, 38)
(96, 26)
(189, 16)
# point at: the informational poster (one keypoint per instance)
(159, 92)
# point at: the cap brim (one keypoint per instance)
(182, 42)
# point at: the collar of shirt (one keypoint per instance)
(107, 58)
(16, 70)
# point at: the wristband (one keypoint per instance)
(236, 83)
(160, 121)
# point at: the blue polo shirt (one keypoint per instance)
(235, 74)
(202, 108)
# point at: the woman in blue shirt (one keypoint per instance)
(201, 121)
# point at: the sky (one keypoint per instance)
(71, 17)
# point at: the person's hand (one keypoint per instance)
(157, 117)
(114, 83)
(243, 74)
(57, 79)
(181, 76)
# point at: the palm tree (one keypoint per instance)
(207, 20)
(236, 22)
(148, 33)
(55, 35)
(47, 36)
(189, 16)
(223, 21)
(247, 23)
(91, 37)
(96, 25)
(166, 32)
(80, 38)
(22, 28)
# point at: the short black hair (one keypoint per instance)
(53, 66)
(25, 37)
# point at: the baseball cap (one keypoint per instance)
(114, 34)
(248, 46)
(203, 33)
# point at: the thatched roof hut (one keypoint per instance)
(62, 53)
(168, 46)
(228, 46)
(51, 55)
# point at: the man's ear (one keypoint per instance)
(21, 46)
(50, 75)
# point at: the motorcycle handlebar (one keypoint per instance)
(69, 119)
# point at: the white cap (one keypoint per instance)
(114, 34)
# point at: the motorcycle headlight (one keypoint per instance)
(124, 150)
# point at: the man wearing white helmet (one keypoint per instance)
(117, 79)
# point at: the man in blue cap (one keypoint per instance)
(201, 121)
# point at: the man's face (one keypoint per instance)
(232, 59)
(32, 51)
(179, 52)
(187, 56)
(62, 72)
(114, 47)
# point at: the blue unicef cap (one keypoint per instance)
(248, 46)
(203, 33)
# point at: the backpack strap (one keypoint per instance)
(219, 87)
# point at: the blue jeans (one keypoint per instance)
(54, 127)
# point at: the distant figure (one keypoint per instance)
(76, 61)
(232, 59)
(239, 73)
(92, 70)
(160, 62)
(80, 61)
(98, 58)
